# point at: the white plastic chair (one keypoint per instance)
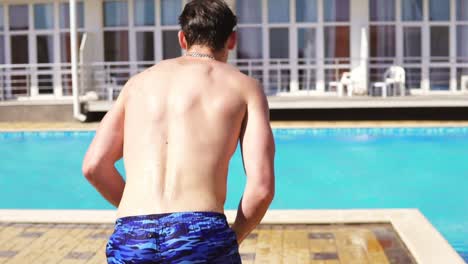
(464, 83)
(344, 81)
(394, 76)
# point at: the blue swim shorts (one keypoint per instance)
(191, 237)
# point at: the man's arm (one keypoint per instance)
(258, 151)
(105, 150)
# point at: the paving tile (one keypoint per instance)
(321, 236)
(100, 256)
(252, 236)
(8, 234)
(247, 256)
(8, 254)
(269, 246)
(295, 247)
(322, 245)
(31, 234)
(248, 246)
(80, 255)
(101, 235)
(324, 256)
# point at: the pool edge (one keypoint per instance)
(58, 126)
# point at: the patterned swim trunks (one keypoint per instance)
(192, 237)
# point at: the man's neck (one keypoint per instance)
(201, 50)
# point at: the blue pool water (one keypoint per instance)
(423, 168)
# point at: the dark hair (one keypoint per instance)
(207, 22)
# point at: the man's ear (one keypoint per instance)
(182, 40)
(232, 41)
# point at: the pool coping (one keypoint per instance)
(65, 127)
(422, 239)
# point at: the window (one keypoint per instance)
(413, 78)
(440, 43)
(65, 48)
(144, 12)
(439, 10)
(278, 11)
(45, 54)
(382, 10)
(2, 39)
(115, 13)
(382, 41)
(249, 11)
(45, 48)
(279, 81)
(462, 43)
(336, 10)
(19, 17)
(1, 18)
(440, 79)
(250, 43)
(171, 47)
(170, 11)
(336, 43)
(412, 45)
(279, 43)
(43, 16)
(307, 79)
(411, 10)
(462, 10)
(306, 10)
(307, 54)
(65, 15)
(19, 49)
(2, 50)
(116, 43)
(116, 46)
(307, 44)
(145, 46)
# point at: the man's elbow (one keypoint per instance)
(90, 171)
(266, 192)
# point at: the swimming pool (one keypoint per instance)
(423, 168)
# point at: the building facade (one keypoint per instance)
(292, 46)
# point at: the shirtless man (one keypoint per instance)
(177, 124)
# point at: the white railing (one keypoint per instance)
(21, 81)
(106, 79)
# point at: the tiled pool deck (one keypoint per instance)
(331, 244)
(325, 237)
(285, 236)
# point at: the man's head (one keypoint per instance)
(207, 23)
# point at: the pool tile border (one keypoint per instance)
(424, 242)
(373, 131)
(277, 132)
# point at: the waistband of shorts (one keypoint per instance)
(177, 215)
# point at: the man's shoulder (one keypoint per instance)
(238, 76)
(142, 77)
(160, 67)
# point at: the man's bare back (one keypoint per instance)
(177, 125)
(183, 119)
